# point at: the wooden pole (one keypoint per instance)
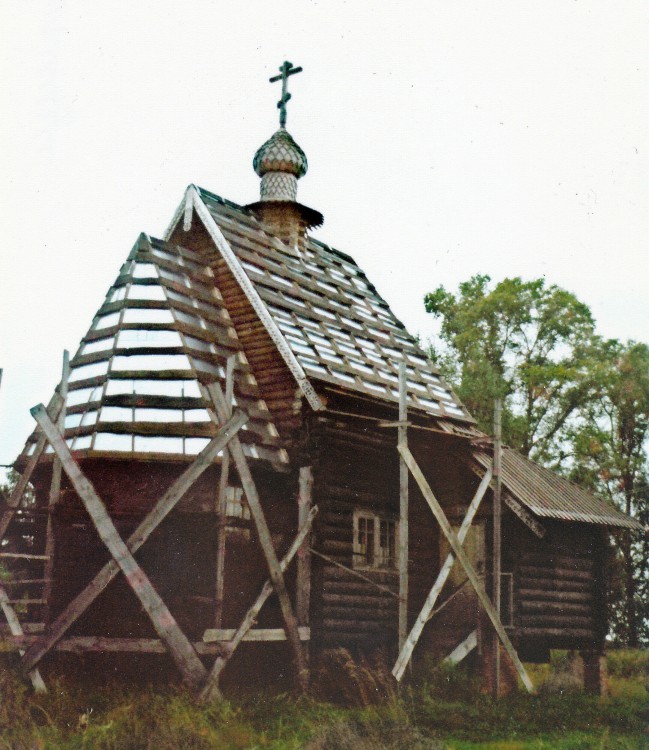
(16, 629)
(303, 580)
(211, 689)
(147, 526)
(431, 599)
(461, 555)
(263, 533)
(497, 524)
(402, 437)
(222, 504)
(55, 489)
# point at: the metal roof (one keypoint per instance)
(549, 495)
(338, 326)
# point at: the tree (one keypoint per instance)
(524, 342)
(610, 442)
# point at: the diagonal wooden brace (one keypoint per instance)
(53, 409)
(411, 641)
(195, 671)
(210, 690)
(15, 629)
(459, 552)
(276, 575)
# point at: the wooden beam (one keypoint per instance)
(55, 488)
(525, 516)
(164, 506)
(221, 534)
(423, 617)
(303, 591)
(254, 503)
(402, 438)
(211, 690)
(53, 409)
(496, 556)
(256, 635)
(461, 651)
(16, 630)
(466, 564)
(161, 618)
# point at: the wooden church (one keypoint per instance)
(250, 461)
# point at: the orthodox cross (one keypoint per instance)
(285, 70)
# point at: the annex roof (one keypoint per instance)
(337, 326)
(549, 495)
(135, 385)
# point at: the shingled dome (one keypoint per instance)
(280, 153)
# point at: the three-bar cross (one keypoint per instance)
(286, 70)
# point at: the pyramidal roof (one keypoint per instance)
(135, 384)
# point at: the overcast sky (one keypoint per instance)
(444, 139)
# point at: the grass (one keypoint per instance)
(444, 712)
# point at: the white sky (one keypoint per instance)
(444, 139)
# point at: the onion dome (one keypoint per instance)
(280, 153)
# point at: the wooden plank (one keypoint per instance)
(257, 303)
(221, 534)
(496, 557)
(303, 590)
(402, 438)
(525, 516)
(161, 618)
(254, 503)
(16, 630)
(55, 487)
(226, 635)
(464, 649)
(211, 690)
(146, 527)
(425, 614)
(81, 644)
(466, 564)
(23, 556)
(53, 409)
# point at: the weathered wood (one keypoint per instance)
(211, 689)
(82, 644)
(554, 595)
(226, 635)
(355, 573)
(218, 399)
(221, 533)
(16, 630)
(464, 649)
(303, 586)
(18, 491)
(466, 564)
(542, 573)
(164, 506)
(23, 556)
(161, 618)
(525, 516)
(55, 487)
(403, 508)
(496, 552)
(423, 617)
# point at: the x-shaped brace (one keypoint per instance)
(164, 623)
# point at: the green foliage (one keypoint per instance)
(519, 340)
(443, 712)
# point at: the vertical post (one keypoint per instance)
(55, 490)
(303, 585)
(403, 508)
(497, 521)
(222, 505)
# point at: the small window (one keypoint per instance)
(375, 541)
(235, 504)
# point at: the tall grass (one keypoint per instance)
(445, 711)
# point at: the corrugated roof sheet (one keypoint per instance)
(549, 495)
(134, 382)
(339, 328)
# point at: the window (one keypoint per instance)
(375, 541)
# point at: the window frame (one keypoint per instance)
(383, 559)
